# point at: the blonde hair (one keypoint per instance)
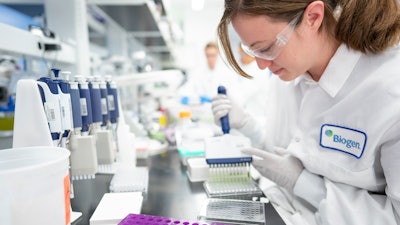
(369, 26)
(211, 44)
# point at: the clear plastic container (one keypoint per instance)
(34, 186)
(190, 136)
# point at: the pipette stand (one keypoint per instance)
(83, 157)
(30, 122)
(106, 151)
(104, 146)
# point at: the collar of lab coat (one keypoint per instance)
(337, 72)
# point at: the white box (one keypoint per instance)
(114, 207)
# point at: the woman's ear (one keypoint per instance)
(314, 15)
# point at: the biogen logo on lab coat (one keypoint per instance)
(344, 139)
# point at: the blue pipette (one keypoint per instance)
(225, 119)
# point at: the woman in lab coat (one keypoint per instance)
(331, 141)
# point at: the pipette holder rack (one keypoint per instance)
(83, 157)
(106, 152)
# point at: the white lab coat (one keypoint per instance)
(350, 178)
(204, 82)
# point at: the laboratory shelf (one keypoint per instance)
(16, 41)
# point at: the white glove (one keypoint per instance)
(221, 105)
(280, 167)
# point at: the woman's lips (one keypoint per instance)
(277, 71)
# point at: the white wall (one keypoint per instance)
(199, 27)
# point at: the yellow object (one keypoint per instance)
(184, 114)
(6, 123)
(162, 120)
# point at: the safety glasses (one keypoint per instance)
(265, 50)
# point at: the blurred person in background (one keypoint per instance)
(202, 82)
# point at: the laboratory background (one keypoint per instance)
(99, 126)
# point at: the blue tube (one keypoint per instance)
(225, 119)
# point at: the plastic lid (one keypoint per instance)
(184, 114)
(20, 163)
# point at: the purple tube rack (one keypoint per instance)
(141, 219)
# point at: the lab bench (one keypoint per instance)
(169, 194)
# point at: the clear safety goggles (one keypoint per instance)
(265, 50)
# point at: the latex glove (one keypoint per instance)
(221, 105)
(280, 167)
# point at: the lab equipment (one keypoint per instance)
(104, 138)
(226, 149)
(84, 163)
(95, 101)
(130, 179)
(158, 87)
(38, 131)
(8, 71)
(7, 110)
(234, 211)
(197, 169)
(113, 102)
(113, 108)
(49, 92)
(222, 104)
(113, 207)
(75, 102)
(65, 107)
(225, 119)
(86, 106)
(190, 135)
(104, 102)
(229, 168)
(137, 219)
(34, 185)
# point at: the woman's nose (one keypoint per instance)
(263, 63)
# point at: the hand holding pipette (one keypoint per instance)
(222, 105)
